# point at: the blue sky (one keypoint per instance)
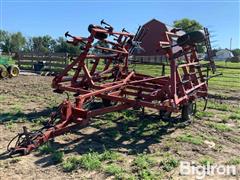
(55, 17)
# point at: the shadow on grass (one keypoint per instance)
(131, 134)
(10, 116)
(130, 137)
(19, 116)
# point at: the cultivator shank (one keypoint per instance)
(101, 73)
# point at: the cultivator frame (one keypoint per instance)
(117, 86)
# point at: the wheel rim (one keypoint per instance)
(15, 72)
(4, 74)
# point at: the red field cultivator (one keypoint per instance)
(109, 79)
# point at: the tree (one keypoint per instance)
(187, 25)
(17, 42)
(43, 44)
(101, 44)
(28, 45)
(4, 41)
(63, 46)
(49, 43)
(11, 42)
(236, 52)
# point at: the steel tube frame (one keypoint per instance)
(128, 88)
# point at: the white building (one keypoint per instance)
(223, 54)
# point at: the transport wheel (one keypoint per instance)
(98, 35)
(3, 71)
(188, 110)
(107, 102)
(165, 114)
(13, 71)
(191, 38)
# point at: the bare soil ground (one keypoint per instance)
(211, 136)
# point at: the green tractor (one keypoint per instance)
(8, 68)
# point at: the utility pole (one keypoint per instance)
(230, 44)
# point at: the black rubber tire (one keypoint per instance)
(3, 71)
(98, 35)
(187, 111)
(191, 38)
(13, 70)
(58, 91)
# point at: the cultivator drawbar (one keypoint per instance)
(107, 78)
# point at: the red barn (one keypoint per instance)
(155, 33)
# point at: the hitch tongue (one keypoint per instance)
(26, 133)
(18, 148)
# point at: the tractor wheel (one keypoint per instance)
(13, 71)
(188, 110)
(3, 71)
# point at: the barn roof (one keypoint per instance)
(169, 28)
(152, 21)
(156, 31)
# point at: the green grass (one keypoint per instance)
(3, 97)
(143, 161)
(234, 161)
(46, 149)
(90, 161)
(152, 70)
(16, 107)
(129, 115)
(201, 114)
(115, 170)
(110, 155)
(169, 143)
(71, 163)
(169, 162)
(218, 106)
(9, 124)
(206, 160)
(147, 174)
(189, 138)
(208, 137)
(230, 76)
(235, 116)
(57, 157)
(228, 64)
(143, 165)
(113, 133)
(219, 126)
(39, 120)
(212, 104)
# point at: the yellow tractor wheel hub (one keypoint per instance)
(14, 71)
(4, 73)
